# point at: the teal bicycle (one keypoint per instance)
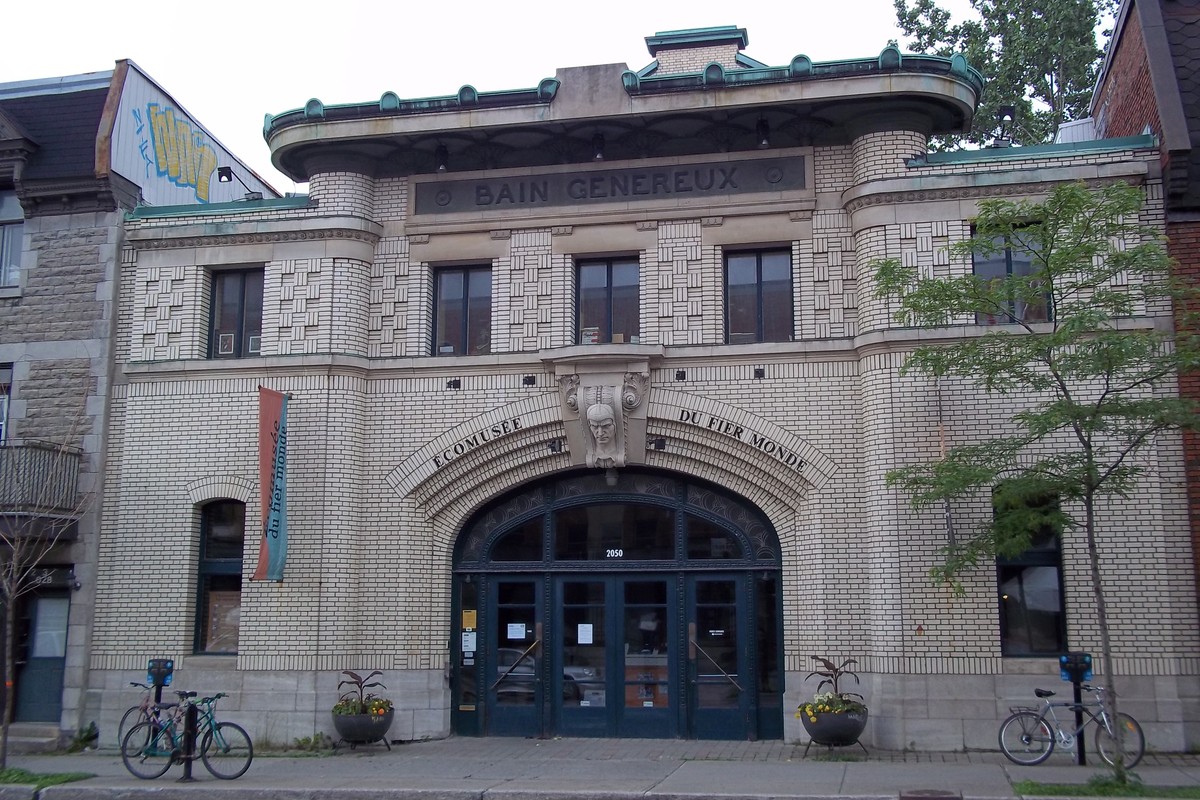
(150, 748)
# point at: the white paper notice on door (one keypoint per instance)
(516, 631)
(468, 642)
(585, 633)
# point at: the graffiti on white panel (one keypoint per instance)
(176, 150)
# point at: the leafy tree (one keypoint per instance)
(1039, 57)
(1092, 388)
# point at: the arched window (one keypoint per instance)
(219, 592)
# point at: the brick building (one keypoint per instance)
(589, 403)
(76, 153)
(1149, 84)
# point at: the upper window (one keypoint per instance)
(608, 301)
(237, 304)
(5, 391)
(1032, 615)
(12, 226)
(1027, 301)
(10, 253)
(463, 312)
(222, 536)
(758, 296)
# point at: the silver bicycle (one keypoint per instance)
(1028, 736)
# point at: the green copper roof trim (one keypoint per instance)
(889, 60)
(391, 104)
(696, 36)
(1147, 142)
(236, 207)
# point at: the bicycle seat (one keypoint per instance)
(1043, 693)
(185, 695)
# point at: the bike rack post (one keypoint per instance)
(190, 719)
(1077, 668)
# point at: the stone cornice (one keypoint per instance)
(271, 237)
(968, 186)
(42, 198)
(250, 232)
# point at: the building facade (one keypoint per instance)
(76, 153)
(1148, 85)
(589, 406)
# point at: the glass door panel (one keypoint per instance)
(647, 660)
(717, 650)
(514, 678)
(581, 658)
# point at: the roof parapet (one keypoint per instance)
(391, 104)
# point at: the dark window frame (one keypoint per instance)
(1044, 556)
(605, 332)
(215, 572)
(242, 337)
(470, 328)
(787, 321)
(1044, 312)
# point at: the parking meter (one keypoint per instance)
(158, 674)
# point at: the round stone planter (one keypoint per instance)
(359, 729)
(835, 730)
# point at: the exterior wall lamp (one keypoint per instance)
(226, 175)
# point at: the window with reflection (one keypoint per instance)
(707, 540)
(1029, 585)
(462, 311)
(1012, 263)
(614, 531)
(523, 543)
(608, 301)
(219, 606)
(758, 296)
(237, 310)
(583, 643)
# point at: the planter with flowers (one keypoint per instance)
(359, 716)
(833, 718)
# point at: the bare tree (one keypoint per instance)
(40, 506)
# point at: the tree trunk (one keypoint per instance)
(1106, 659)
(10, 673)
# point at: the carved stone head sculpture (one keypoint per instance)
(604, 434)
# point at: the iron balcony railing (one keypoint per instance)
(39, 479)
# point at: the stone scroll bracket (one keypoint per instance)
(623, 395)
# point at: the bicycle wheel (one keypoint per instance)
(1026, 739)
(130, 718)
(1132, 737)
(148, 750)
(227, 751)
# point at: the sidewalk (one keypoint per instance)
(589, 769)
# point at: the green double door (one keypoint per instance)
(636, 655)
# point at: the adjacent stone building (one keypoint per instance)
(76, 153)
(589, 400)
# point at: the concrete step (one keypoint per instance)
(33, 737)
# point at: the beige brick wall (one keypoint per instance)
(694, 59)
(885, 154)
(367, 582)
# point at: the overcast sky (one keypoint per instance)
(230, 63)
